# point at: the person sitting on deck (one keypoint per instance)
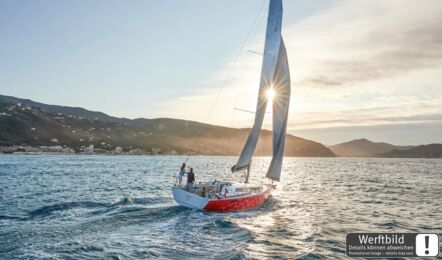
(190, 180)
(181, 173)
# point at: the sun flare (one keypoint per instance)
(270, 94)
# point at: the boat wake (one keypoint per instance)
(93, 208)
(143, 201)
(64, 206)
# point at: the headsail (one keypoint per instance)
(280, 107)
(274, 73)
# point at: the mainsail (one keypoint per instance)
(274, 74)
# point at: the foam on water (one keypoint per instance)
(120, 207)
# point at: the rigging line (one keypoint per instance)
(258, 25)
(243, 110)
(255, 52)
(255, 31)
(248, 111)
(234, 63)
(230, 71)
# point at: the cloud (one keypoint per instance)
(385, 110)
(354, 64)
(365, 41)
(367, 121)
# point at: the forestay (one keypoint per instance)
(274, 74)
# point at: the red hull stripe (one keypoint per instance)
(238, 204)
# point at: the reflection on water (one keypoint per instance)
(121, 207)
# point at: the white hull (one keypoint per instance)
(188, 199)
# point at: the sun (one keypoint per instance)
(270, 94)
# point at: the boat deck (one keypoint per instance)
(222, 190)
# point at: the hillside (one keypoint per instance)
(364, 148)
(421, 151)
(36, 124)
(73, 111)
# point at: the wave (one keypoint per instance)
(5, 217)
(389, 225)
(66, 206)
(142, 201)
(133, 215)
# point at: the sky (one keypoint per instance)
(359, 69)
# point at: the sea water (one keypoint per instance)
(120, 207)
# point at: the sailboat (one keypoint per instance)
(224, 196)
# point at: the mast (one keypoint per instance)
(247, 174)
(274, 74)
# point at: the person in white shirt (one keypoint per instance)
(181, 173)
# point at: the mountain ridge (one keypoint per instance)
(33, 123)
(36, 124)
(67, 110)
(364, 148)
(420, 151)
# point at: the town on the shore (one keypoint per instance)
(85, 150)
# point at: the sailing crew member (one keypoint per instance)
(190, 180)
(181, 173)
